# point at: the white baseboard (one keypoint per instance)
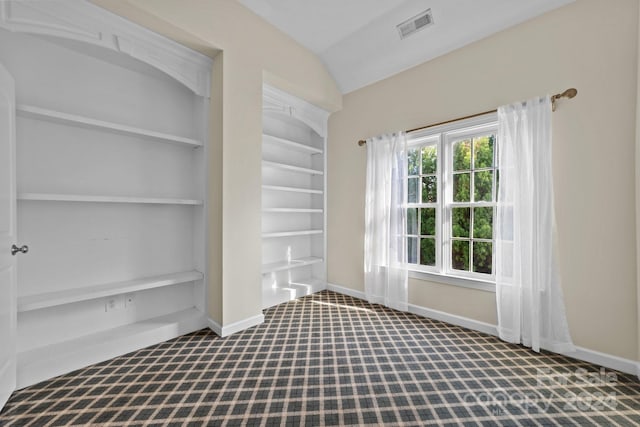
(453, 319)
(232, 328)
(602, 359)
(606, 360)
(427, 312)
(346, 291)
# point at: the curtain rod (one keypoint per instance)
(569, 93)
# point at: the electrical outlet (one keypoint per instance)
(115, 302)
(129, 300)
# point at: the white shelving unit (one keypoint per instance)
(111, 173)
(293, 198)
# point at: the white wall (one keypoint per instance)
(587, 45)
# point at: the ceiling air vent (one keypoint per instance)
(415, 24)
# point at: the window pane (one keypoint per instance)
(428, 251)
(429, 159)
(483, 223)
(483, 151)
(428, 222)
(412, 250)
(413, 156)
(482, 255)
(483, 184)
(461, 187)
(429, 189)
(460, 255)
(462, 155)
(412, 221)
(460, 220)
(413, 190)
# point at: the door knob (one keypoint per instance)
(14, 249)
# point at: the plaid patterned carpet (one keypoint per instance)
(329, 359)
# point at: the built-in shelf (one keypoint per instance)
(293, 145)
(291, 210)
(291, 233)
(48, 197)
(291, 168)
(294, 165)
(52, 299)
(291, 189)
(44, 362)
(86, 122)
(288, 265)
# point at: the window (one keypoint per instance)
(451, 187)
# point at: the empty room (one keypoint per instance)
(319, 212)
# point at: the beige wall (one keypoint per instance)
(252, 50)
(580, 45)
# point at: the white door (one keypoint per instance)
(7, 237)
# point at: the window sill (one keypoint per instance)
(464, 282)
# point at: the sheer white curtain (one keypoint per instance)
(385, 248)
(529, 297)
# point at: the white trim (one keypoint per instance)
(346, 291)
(602, 359)
(240, 325)
(447, 279)
(606, 360)
(465, 322)
(277, 101)
(88, 23)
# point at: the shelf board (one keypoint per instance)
(289, 291)
(48, 197)
(45, 362)
(292, 168)
(291, 189)
(288, 265)
(290, 144)
(86, 122)
(51, 299)
(291, 210)
(291, 233)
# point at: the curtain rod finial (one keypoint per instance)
(362, 142)
(570, 93)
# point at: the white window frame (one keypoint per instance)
(443, 137)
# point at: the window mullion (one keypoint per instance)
(445, 226)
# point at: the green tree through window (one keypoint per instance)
(465, 209)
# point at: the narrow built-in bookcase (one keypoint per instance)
(111, 172)
(293, 198)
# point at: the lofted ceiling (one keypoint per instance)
(358, 40)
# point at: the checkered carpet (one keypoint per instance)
(329, 359)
